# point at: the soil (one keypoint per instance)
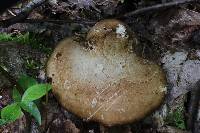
(168, 37)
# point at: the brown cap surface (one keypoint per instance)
(106, 81)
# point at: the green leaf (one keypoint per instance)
(25, 82)
(35, 92)
(16, 95)
(32, 109)
(11, 112)
(2, 122)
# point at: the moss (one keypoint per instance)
(176, 118)
(34, 40)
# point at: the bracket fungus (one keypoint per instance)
(102, 79)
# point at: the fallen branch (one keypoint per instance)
(23, 14)
(157, 7)
(193, 108)
(58, 21)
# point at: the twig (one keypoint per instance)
(23, 14)
(11, 13)
(157, 7)
(193, 107)
(57, 21)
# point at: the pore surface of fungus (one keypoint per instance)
(102, 79)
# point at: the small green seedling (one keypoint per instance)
(33, 91)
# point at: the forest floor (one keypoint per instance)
(168, 32)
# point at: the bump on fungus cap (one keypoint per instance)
(105, 81)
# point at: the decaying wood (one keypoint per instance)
(193, 107)
(23, 14)
(21, 17)
(158, 7)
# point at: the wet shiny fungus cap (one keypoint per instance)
(105, 81)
